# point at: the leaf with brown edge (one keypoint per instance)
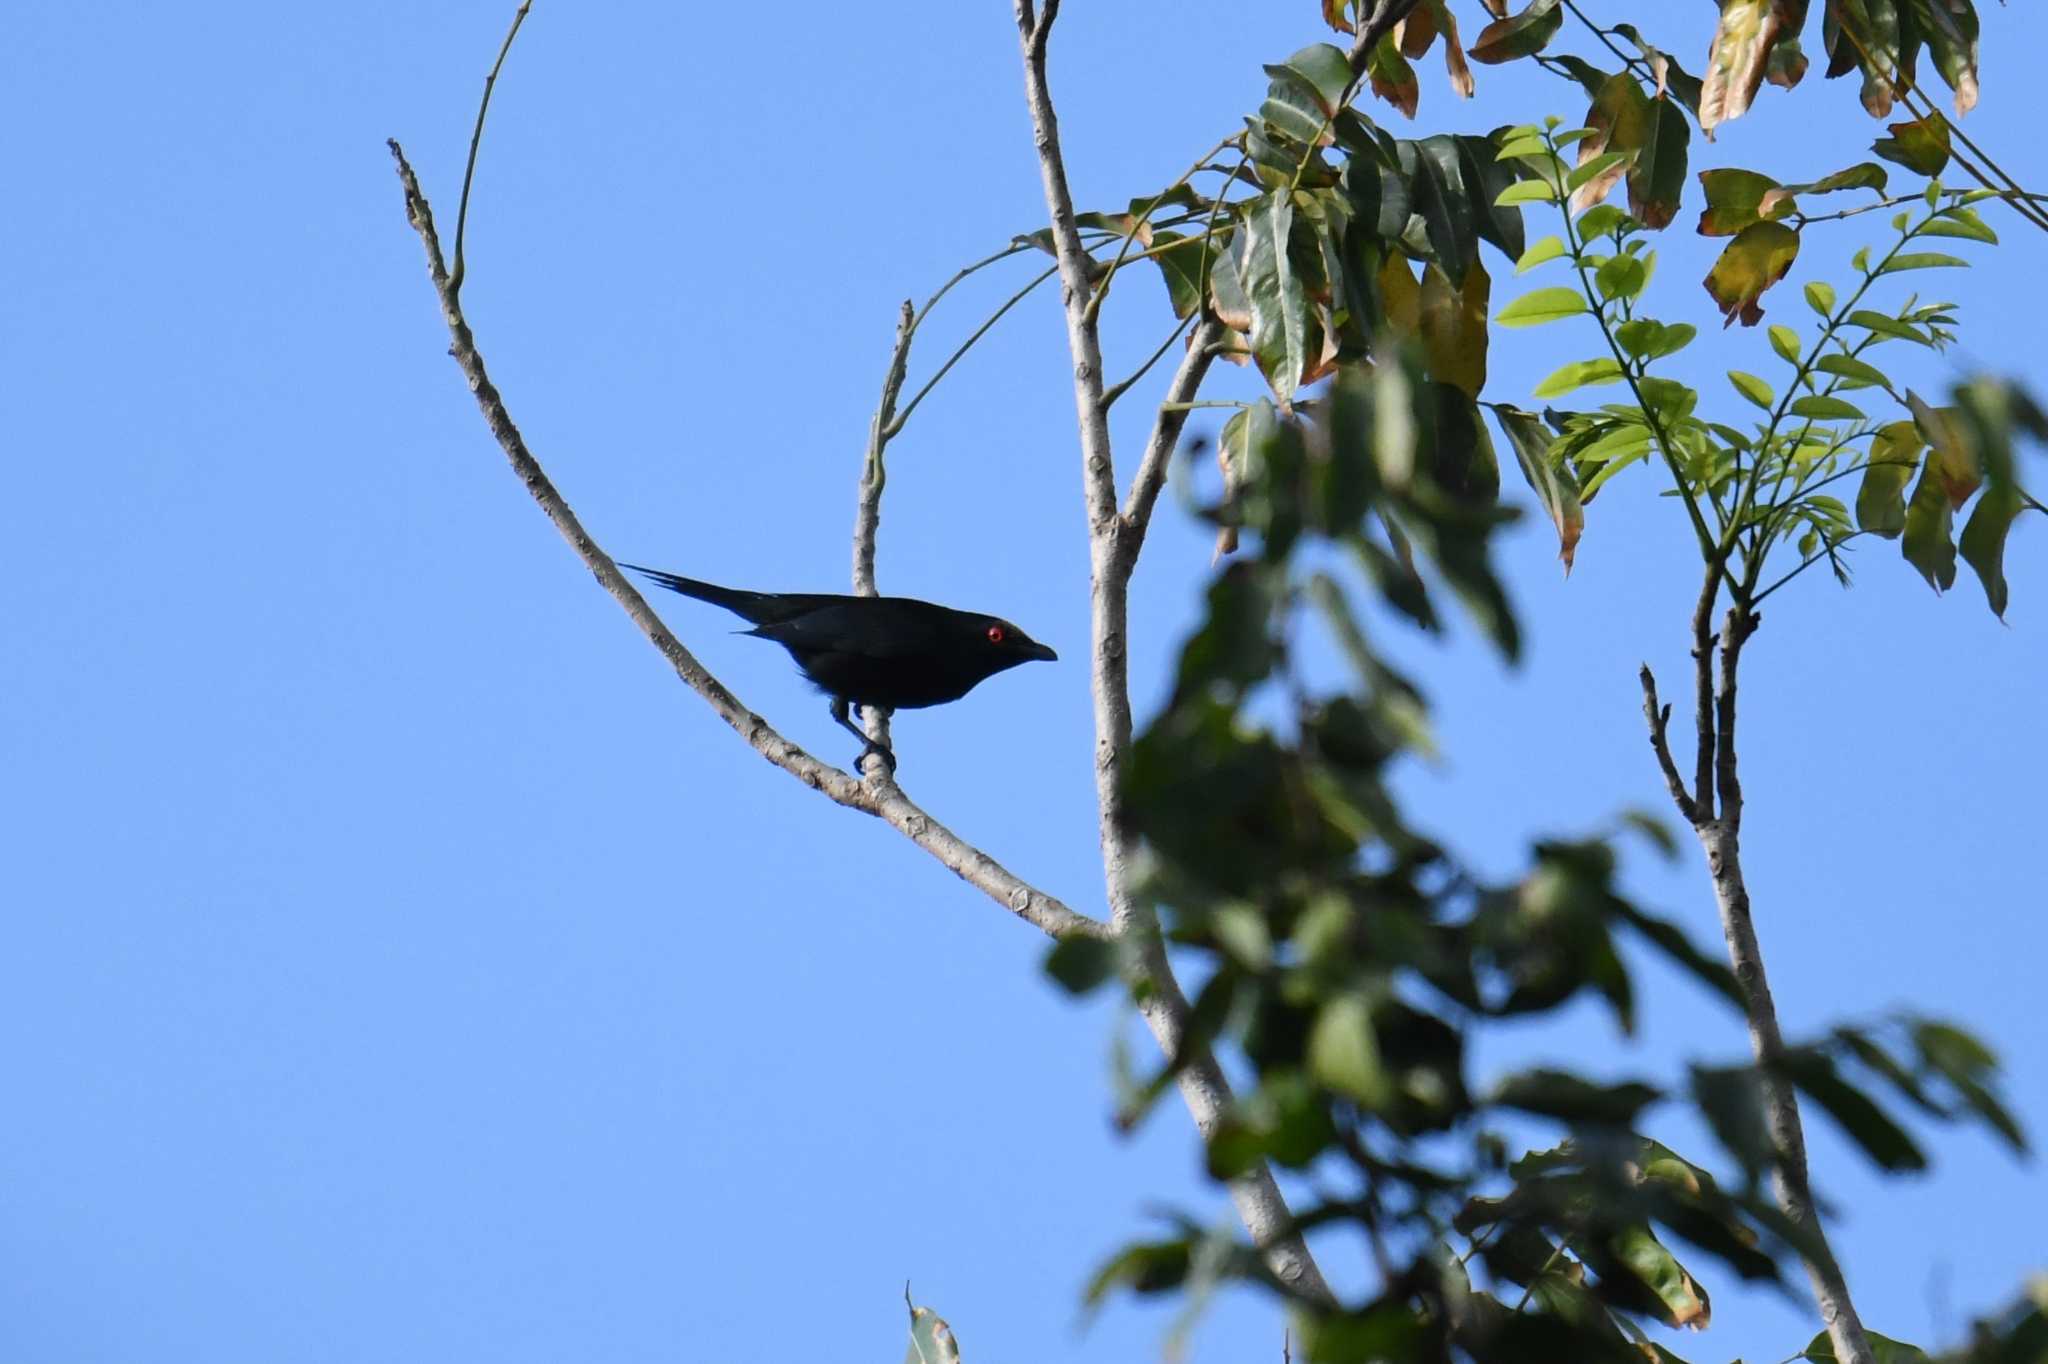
(1549, 479)
(1921, 146)
(1758, 258)
(1416, 32)
(1738, 198)
(1866, 34)
(1748, 33)
(1523, 35)
(1453, 326)
(1454, 52)
(1656, 179)
(1953, 459)
(1392, 79)
(1680, 1299)
(1334, 16)
(1619, 119)
(1950, 28)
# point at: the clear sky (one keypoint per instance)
(400, 965)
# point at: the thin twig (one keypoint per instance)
(1012, 301)
(885, 802)
(1658, 717)
(867, 520)
(476, 137)
(1123, 386)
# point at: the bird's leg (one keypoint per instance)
(840, 709)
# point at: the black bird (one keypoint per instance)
(894, 652)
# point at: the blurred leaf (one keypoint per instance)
(1859, 1117)
(1881, 501)
(1079, 964)
(1983, 542)
(1453, 327)
(1821, 1350)
(1570, 1098)
(1553, 484)
(1683, 1301)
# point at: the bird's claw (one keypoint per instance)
(877, 751)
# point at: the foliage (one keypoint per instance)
(1346, 960)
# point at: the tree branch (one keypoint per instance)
(1720, 838)
(1659, 720)
(867, 519)
(885, 801)
(1703, 694)
(1203, 1086)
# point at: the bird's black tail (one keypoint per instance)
(753, 606)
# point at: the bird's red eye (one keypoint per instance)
(995, 634)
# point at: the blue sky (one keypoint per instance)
(401, 965)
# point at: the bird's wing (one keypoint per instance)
(866, 627)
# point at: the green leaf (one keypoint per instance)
(1621, 277)
(1856, 372)
(1543, 305)
(1823, 407)
(1859, 1117)
(1525, 192)
(1758, 258)
(1594, 167)
(1548, 249)
(1571, 1098)
(1929, 524)
(1754, 389)
(1579, 374)
(1646, 339)
(1983, 542)
(1960, 222)
(1923, 260)
(1079, 963)
(1863, 175)
(1279, 305)
(1887, 326)
(1881, 501)
(1520, 35)
(1344, 1054)
(1656, 179)
(1553, 485)
(1679, 1296)
(1453, 327)
(1921, 146)
(1737, 198)
(1821, 298)
(1786, 343)
(1821, 1350)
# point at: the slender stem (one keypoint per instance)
(1808, 562)
(1122, 386)
(1102, 290)
(1012, 301)
(476, 137)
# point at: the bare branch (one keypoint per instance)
(884, 800)
(1166, 429)
(1659, 719)
(1203, 1085)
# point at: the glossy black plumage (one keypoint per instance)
(898, 653)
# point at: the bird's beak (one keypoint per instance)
(1041, 651)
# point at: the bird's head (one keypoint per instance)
(1002, 645)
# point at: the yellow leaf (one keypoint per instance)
(1453, 325)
